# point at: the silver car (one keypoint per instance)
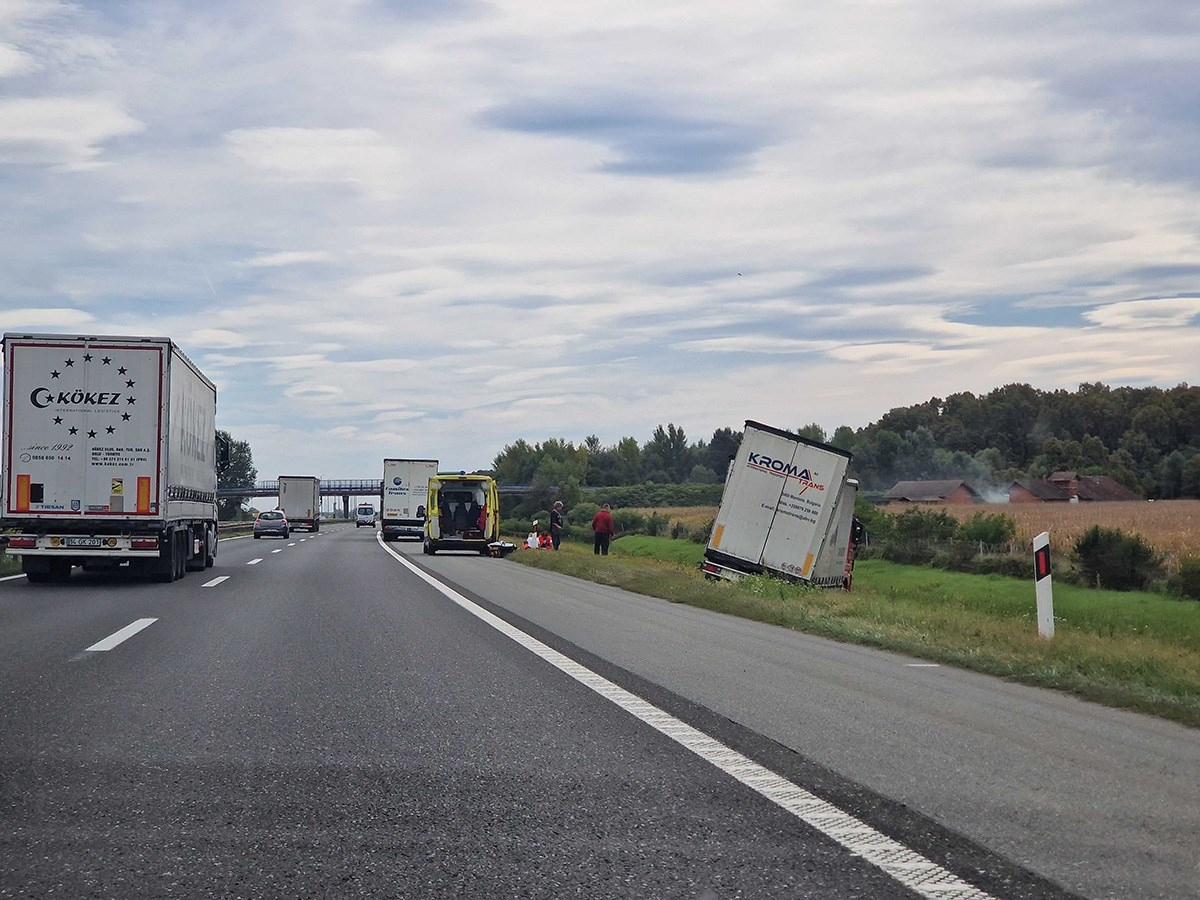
(271, 522)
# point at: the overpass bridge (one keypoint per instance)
(342, 488)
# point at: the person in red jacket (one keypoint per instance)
(602, 525)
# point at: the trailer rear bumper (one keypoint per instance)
(62, 545)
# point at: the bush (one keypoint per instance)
(628, 521)
(957, 556)
(651, 495)
(1115, 560)
(985, 529)
(1012, 566)
(656, 525)
(916, 524)
(1189, 577)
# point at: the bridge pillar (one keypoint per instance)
(345, 506)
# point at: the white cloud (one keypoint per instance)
(358, 156)
(42, 319)
(289, 258)
(65, 131)
(326, 207)
(1172, 312)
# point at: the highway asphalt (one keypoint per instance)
(328, 716)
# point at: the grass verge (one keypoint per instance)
(1129, 650)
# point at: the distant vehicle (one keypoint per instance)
(364, 515)
(110, 456)
(300, 501)
(405, 497)
(273, 521)
(787, 510)
(465, 515)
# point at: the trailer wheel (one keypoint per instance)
(169, 562)
(60, 571)
(37, 577)
(181, 539)
(429, 549)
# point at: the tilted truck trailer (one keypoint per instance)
(787, 510)
(405, 497)
(300, 501)
(110, 456)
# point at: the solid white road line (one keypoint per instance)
(906, 866)
(118, 636)
(12, 577)
(215, 581)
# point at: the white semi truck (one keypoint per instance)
(110, 456)
(404, 497)
(300, 501)
(787, 510)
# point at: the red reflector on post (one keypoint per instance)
(1041, 563)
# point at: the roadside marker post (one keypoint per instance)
(1041, 580)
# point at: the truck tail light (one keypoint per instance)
(143, 543)
(22, 541)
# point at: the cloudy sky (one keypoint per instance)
(412, 228)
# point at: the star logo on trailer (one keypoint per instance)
(96, 396)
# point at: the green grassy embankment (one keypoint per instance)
(1136, 651)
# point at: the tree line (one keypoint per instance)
(1148, 439)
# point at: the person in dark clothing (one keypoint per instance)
(557, 524)
(602, 525)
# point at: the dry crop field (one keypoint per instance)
(1172, 527)
(691, 516)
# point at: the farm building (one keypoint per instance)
(1068, 487)
(953, 491)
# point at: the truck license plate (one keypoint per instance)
(82, 542)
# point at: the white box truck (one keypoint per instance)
(300, 501)
(110, 456)
(405, 497)
(787, 510)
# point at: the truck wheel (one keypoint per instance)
(37, 577)
(60, 571)
(257, 536)
(428, 549)
(181, 559)
(168, 567)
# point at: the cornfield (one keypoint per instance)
(1172, 527)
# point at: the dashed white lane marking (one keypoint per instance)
(118, 636)
(255, 562)
(923, 665)
(292, 544)
(215, 581)
(280, 550)
(906, 866)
